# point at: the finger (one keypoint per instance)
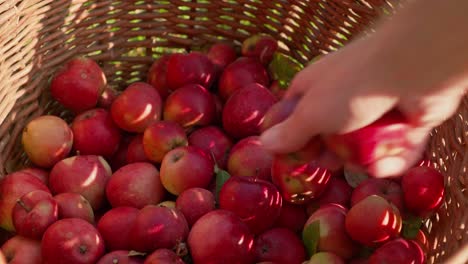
(394, 166)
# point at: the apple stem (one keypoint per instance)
(22, 204)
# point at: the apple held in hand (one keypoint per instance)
(362, 147)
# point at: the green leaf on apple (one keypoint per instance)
(283, 68)
(311, 236)
(221, 177)
(411, 226)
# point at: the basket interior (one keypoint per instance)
(37, 37)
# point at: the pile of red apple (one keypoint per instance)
(171, 170)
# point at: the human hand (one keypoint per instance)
(356, 85)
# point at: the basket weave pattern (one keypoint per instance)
(38, 36)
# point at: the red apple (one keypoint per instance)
(337, 191)
(332, 235)
(95, 133)
(136, 151)
(398, 250)
(21, 250)
(373, 221)
(87, 175)
(221, 237)
(157, 76)
(186, 167)
(388, 189)
(214, 142)
(71, 241)
(189, 68)
(194, 203)
(137, 107)
(325, 258)
(385, 137)
(249, 158)
(33, 213)
(158, 227)
(136, 184)
(292, 216)
(279, 112)
(221, 55)
(219, 110)
(46, 140)
(115, 227)
(119, 158)
(423, 242)
(298, 175)
(240, 73)
(41, 174)
(279, 245)
(121, 257)
(423, 190)
(243, 113)
(261, 47)
(74, 205)
(162, 137)
(257, 202)
(163, 256)
(190, 105)
(12, 187)
(107, 97)
(78, 84)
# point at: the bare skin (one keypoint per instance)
(416, 62)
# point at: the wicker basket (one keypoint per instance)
(38, 36)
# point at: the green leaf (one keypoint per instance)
(311, 236)
(411, 227)
(283, 68)
(221, 177)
